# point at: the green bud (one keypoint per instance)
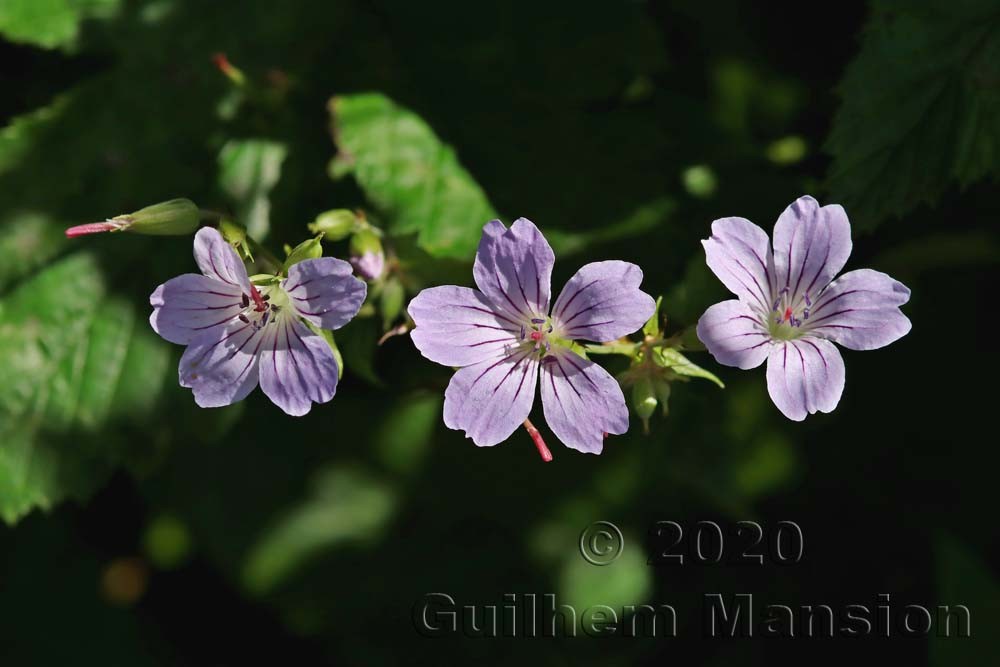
(310, 249)
(236, 236)
(336, 224)
(176, 217)
(367, 256)
(644, 400)
(391, 302)
(662, 389)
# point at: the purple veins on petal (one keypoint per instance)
(297, 368)
(482, 400)
(603, 302)
(581, 402)
(513, 267)
(456, 326)
(324, 291)
(805, 376)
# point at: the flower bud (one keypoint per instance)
(367, 256)
(391, 302)
(176, 217)
(236, 236)
(662, 389)
(644, 400)
(336, 224)
(310, 249)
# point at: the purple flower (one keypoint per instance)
(790, 311)
(239, 334)
(504, 333)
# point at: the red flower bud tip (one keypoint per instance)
(92, 228)
(227, 68)
(539, 443)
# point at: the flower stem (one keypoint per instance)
(539, 443)
(265, 254)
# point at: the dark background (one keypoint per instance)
(308, 541)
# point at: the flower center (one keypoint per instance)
(258, 307)
(537, 331)
(787, 315)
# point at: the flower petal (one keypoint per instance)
(188, 305)
(581, 401)
(811, 246)
(734, 334)
(220, 365)
(218, 260)
(325, 291)
(514, 268)
(860, 310)
(603, 302)
(489, 400)
(804, 376)
(739, 254)
(456, 326)
(297, 367)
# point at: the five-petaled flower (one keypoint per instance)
(790, 311)
(502, 334)
(239, 334)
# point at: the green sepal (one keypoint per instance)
(644, 400)
(337, 224)
(236, 235)
(309, 249)
(652, 326)
(338, 357)
(391, 301)
(366, 240)
(668, 357)
(176, 217)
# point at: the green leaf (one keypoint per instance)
(73, 363)
(248, 171)
(668, 357)
(921, 108)
(402, 438)
(50, 23)
(414, 180)
(346, 506)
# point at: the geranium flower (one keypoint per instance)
(789, 309)
(239, 334)
(503, 334)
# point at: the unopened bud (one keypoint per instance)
(176, 217)
(310, 249)
(662, 389)
(644, 398)
(367, 256)
(337, 224)
(391, 302)
(236, 236)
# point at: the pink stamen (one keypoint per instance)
(258, 300)
(537, 438)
